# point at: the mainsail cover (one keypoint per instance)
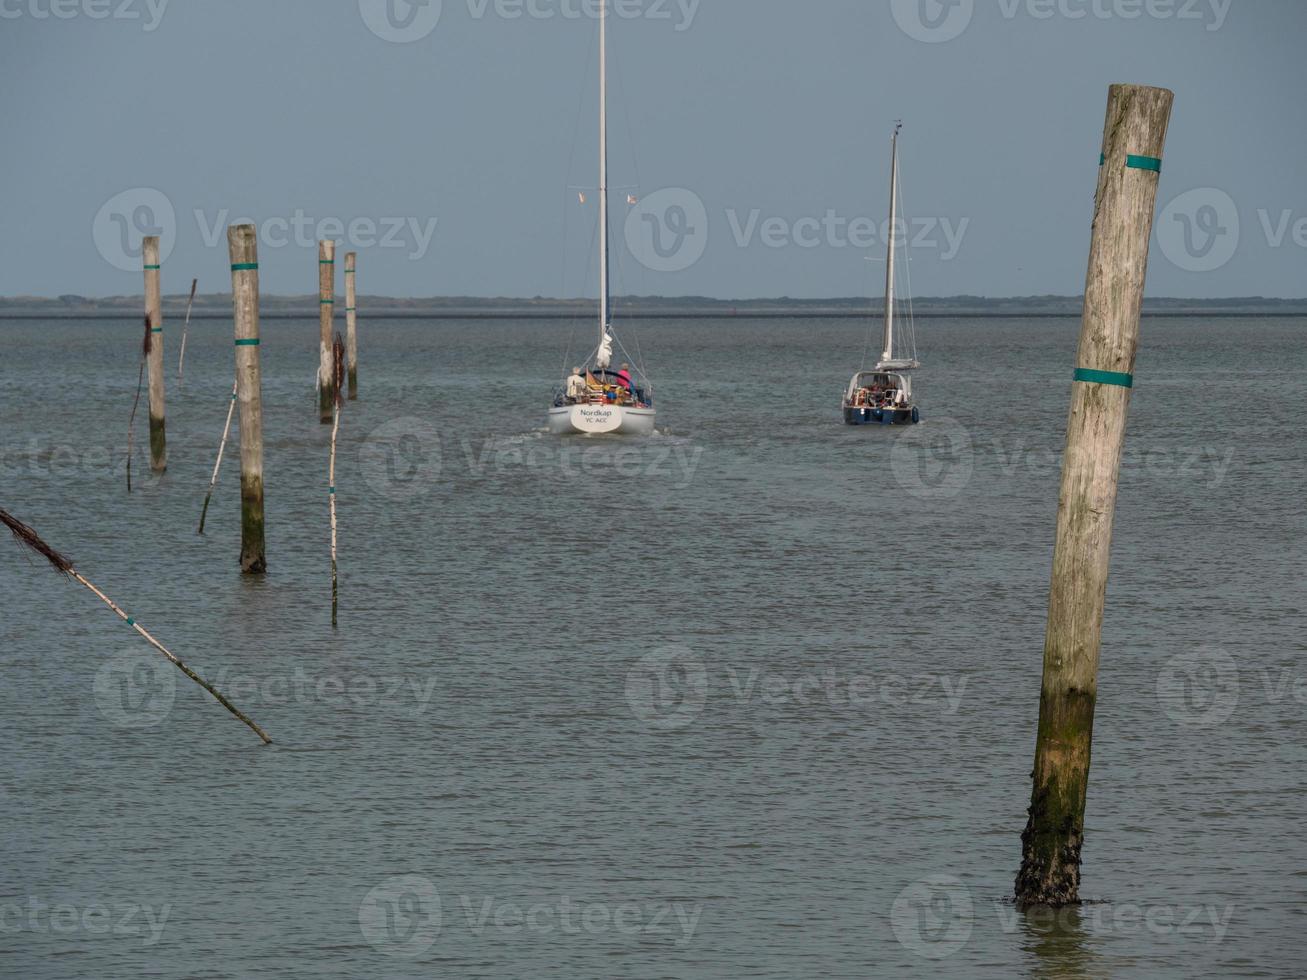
(605, 356)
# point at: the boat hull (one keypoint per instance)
(881, 416)
(601, 420)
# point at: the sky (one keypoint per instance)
(449, 143)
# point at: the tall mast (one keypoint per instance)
(603, 170)
(889, 259)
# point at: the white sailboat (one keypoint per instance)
(597, 399)
(883, 395)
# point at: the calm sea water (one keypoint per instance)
(755, 697)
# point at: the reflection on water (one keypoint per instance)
(1056, 945)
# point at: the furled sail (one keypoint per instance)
(605, 356)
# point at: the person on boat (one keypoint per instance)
(624, 377)
(575, 385)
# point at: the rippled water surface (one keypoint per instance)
(755, 697)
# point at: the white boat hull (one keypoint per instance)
(601, 420)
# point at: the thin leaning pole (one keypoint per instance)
(140, 380)
(181, 358)
(64, 566)
(338, 369)
(213, 481)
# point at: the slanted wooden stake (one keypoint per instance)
(181, 358)
(326, 322)
(244, 249)
(1133, 140)
(136, 402)
(351, 324)
(338, 376)
(222, 446)
(154, 362)
(62, 564)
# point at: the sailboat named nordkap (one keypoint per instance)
(597, 399)
(883, 395)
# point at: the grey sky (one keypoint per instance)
(775, 114)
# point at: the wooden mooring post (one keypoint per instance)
(326, 323)
(351, 324)
(1133, 140)
(242, 243)
(154, 362)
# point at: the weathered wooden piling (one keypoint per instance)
(326, 324)
(243, 246)
(154, 362)
(1133, 140)
(351, 324)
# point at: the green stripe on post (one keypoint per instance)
(1137, 162)
(326, 302)
(130, 621)
(247, 342)
(156, 330)
(326, 261)
(1118, 378)
(148, 267)
(245, 267)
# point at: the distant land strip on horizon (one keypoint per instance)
(218, 306)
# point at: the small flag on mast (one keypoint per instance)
(581, 196)
(632, 200)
